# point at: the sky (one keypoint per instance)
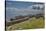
(18, 4)
(15, 8)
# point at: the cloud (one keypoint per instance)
(38, 5)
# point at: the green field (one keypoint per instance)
(32, 23)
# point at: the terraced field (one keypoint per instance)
(31, 23)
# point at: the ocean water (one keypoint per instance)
(22, 8)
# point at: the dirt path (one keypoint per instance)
(19, 23)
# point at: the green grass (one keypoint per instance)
(32, 23)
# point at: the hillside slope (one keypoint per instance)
(32, 23)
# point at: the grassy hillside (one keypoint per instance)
(32, 23)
